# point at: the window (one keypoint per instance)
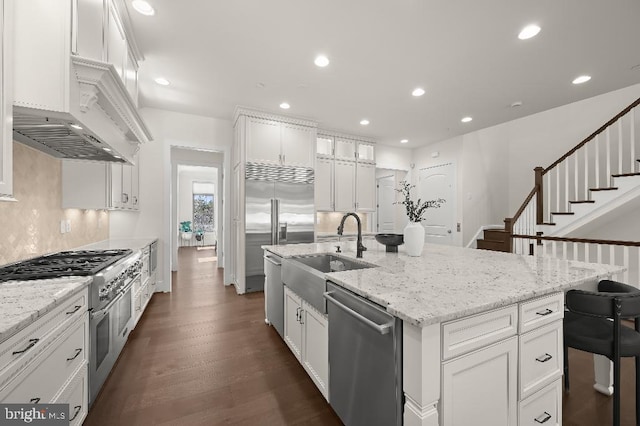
(203, 213)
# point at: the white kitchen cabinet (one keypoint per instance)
(366, 152)
(543, 407)
(104, 186)
(345, 149)
(344, 190)
(273, 142)
(365, 187)
(116, 41)
(481, 387)
(87, 32)
(306, 332)
(6, 101)
(292, 324)
(131, 77)
(324, 184)
(324, 146)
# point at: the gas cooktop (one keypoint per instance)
(65, 263)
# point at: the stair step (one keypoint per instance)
(626, 174)
(612, 188)
(492, 245)
(563, 213)
(548, 223)
(582, 202)
(497, 235)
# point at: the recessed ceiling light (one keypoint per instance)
(76, 126)
(162, 81)
(581, 79)
(364, 122)
(528, 32)
(516, 104)
(419, 91)
(321, 61)
(466, 119)
(404, 141)
(107, 149)
(285, 105)
(143, 7)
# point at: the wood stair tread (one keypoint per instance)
(626, 174)
(563, 213)
(611, 188)
(582, 202)
(548, 223)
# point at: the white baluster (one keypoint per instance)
(620, 147)
(599, 258)
(575, 177)
(586, 172)
(554, 249)
(564, 250)
(548, 191)
(632, 115)
(557, 206)
(586, 253)
(608, 145)
(625, 257)
(597, 161)
(566, 184)
(575, 251)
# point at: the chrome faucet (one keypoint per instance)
(360, 247)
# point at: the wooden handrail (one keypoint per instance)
(593, 135)
(524, 205)
(580, 240)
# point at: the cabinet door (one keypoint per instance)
(481, 388)
(127, 198)
(324, 184)
(324, 146)
(88, 37)
(116, 42)
(117, 198)
(131, 77)
(135, 184)
(366, 152)
(366, 187)
(345, 174)
(6, 101)
(292, 325)
(315, 347)
(345, 149)
(263, 141)
(297, 145)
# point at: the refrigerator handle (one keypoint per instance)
(276, 217)
(274, 223)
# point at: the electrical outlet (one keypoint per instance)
(67, 225)
(63, 227)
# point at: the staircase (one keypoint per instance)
(495, 240)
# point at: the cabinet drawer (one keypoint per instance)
(540, 358)
(52, 368)
(18, 350)
(76, 394)
(470, 333)
(542, 311)
(543, 407)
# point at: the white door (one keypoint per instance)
(440, 223)
(298, 145)
(386, 209)
(315, 347)
(292, 322)
(344, 188)
(324, 184)
(366, 187)
(263, 141)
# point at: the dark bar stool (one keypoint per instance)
(588, 327)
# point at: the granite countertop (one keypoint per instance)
(23, 302)
(125, 243)
(451, 282)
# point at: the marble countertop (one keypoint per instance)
(23, 302)
(125, 243)
(451, 282)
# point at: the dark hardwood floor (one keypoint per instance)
(202, 355)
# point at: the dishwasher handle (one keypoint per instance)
(380, 328)
(272, 260)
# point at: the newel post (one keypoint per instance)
(539, 195)
(508, 226)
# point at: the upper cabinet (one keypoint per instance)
(76, 70)
(6, 101)
(267, 139)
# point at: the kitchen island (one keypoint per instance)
(481, 331)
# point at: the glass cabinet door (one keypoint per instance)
(324, 146)
(366, 152)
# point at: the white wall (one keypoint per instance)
(154, 220)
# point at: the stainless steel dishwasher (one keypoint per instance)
(365, 360)
(275, 292)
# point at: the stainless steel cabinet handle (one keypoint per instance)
(545, 312)
(300, 320)
(298, 314)
(544, 358)
(78, 351)
(74, 310)
(380, 328)
(543, 418)
(271, 260)
(77, 409)
(31, 344)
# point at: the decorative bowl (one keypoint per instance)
(391, 241)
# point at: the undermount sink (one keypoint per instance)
(306, 275)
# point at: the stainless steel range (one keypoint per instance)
(114, 272)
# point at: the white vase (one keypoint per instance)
(414, 238)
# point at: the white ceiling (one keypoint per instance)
(465, 53)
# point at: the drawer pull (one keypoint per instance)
(34, 400)
(545, 312)
(78, 351)
(543, 418)
(544, 358)
(77, 409)
(76, 308)
(32, 343)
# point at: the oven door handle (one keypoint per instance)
(102, 312)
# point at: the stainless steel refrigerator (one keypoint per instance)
(279, 209)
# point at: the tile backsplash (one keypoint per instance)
(31, 226)
(329, 222)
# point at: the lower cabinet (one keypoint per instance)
(543, 407)
(306, 333)
(482, 387)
